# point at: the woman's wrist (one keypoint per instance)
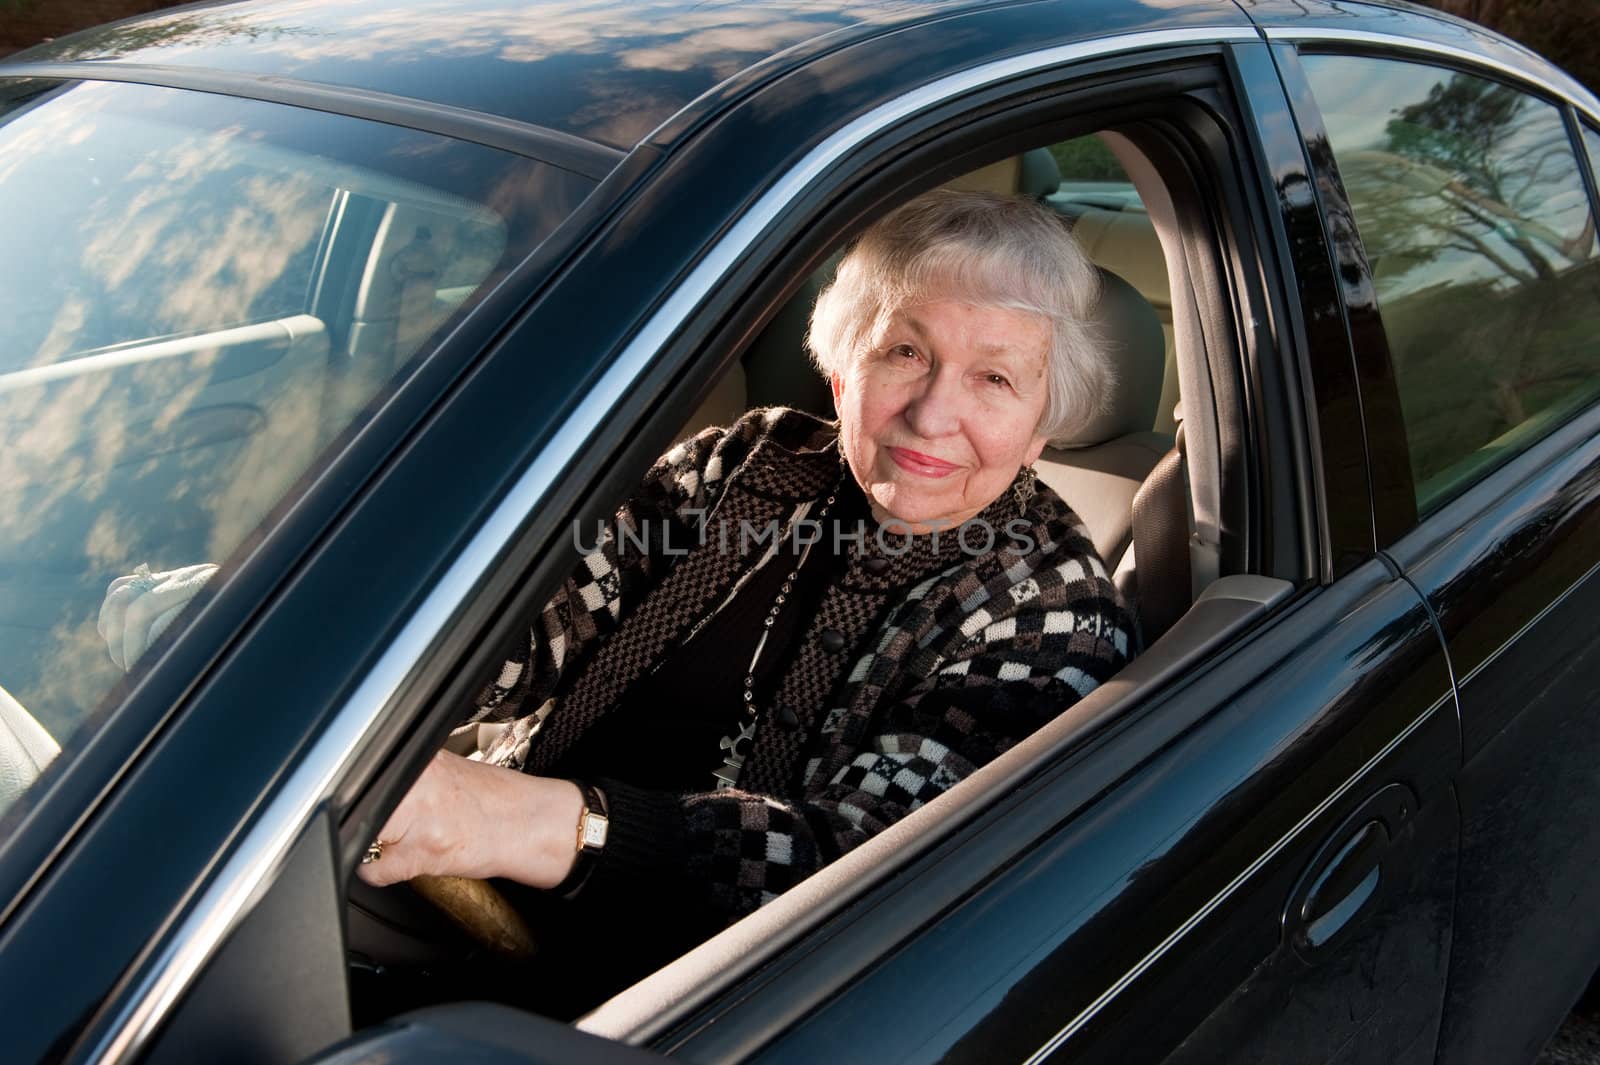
(536, 834)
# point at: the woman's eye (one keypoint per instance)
(903, 351)
(996, 379)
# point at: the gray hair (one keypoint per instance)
(984, 249)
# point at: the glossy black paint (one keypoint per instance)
(1511, 571)
(608, 74)
(583, 157)
(1509, 574)
(483, 1034)
(1376, 398)
(1271, 752)
(1238, 769)
(1314, 336)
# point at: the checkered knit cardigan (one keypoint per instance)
(949, 659)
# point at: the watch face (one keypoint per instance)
(594, 830)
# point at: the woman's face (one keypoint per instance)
(936, 419)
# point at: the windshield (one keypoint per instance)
(199, 296)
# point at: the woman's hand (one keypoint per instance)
(465, 818)
(138, 608)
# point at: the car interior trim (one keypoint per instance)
(1566, 89)
(553, 147)
(1233, 885)
(159, 982)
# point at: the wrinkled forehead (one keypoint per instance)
(1000, 328)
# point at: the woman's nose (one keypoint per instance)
(936, 409)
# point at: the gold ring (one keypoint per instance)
(374, 851)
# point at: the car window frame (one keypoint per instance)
(675, 381)
(713, 1032)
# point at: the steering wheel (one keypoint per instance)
(25, 749)
(481, 911)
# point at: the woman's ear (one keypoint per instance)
(1035, 449)
(836, 382)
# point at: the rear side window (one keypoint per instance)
(1469, 200)
(1091, 176)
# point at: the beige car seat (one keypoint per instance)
(1100, 467)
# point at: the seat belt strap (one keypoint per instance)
(1161, 545)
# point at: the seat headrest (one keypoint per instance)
(777, 371)
(1040, 175)
(1131, 331)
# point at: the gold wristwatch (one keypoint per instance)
(593, 826)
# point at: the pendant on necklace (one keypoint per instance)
(736, 749)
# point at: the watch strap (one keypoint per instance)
(593, 826)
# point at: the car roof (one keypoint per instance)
(601, 72)
(598, 69)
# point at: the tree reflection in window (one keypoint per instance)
(1476, 222)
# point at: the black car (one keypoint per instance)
(372, 304)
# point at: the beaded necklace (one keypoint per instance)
(736, 748)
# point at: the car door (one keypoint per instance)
(1244, 849)
(1474, 204)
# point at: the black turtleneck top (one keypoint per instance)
(667, 731)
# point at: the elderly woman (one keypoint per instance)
(741, 715)
(706, 727)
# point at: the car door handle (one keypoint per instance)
(1348, 871)
(1343, 886)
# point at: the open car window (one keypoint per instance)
(202, 296)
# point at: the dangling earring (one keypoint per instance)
(1023, 488)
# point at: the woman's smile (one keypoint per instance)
(918, 463)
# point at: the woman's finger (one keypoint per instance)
(113, 610)
(135, 623)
